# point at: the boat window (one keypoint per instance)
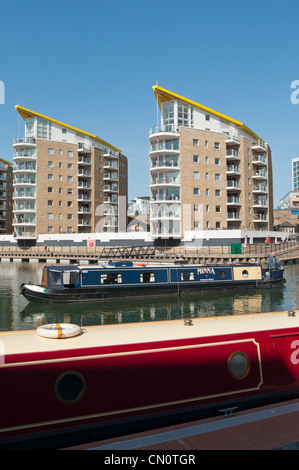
(245, 273)
(70, 278)
(111, 278)
(147, 277)
(221, 274)
(187, 276)
(54, 277)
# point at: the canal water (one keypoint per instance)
(16, 313)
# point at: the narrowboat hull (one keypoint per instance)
(136, 282)
(117, 379)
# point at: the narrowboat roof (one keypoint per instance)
(152, 264)
(20, 342)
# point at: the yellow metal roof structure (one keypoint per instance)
(27, 113)
(165, 95)
(5, 161)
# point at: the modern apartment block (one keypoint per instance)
(295, 174)
(66, 180)
(6, 175)
(207, 171)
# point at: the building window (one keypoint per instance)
(196, 175)
(70, 191)
(196, 207)
(69, 166)
(217, 145)
(60, 153)
(217, 208)
(217, 177)
(70, 203)
(217, 161)
(50, 177)
(196, 224)
(196, 191)
(195, 158)
(218, 225)
(217, 192)
(207, 159)
(195, 143)
(70, 153)
(50, 229)
(207, 176)
(50, 151)
(207, 208)
(70, 216)
(206, 144)
(50, 203)
(70, 230)
(207, 117)
(207, 192)
(50, 215)
(50, 190)
(70, 179)
(50, 164)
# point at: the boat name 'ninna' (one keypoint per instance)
(205, 271)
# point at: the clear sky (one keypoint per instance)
(92, 64)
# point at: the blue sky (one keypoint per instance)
(92, 64)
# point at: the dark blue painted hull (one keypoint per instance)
(86, 284)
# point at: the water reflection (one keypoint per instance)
(18, 314)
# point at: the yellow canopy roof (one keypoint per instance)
(5, 161)
(165, 95)
(26, 113)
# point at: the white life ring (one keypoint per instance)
(59, 330)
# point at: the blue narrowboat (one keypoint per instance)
(119, 280)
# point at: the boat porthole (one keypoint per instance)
(245, 273)
(238, 365)
(70, 387)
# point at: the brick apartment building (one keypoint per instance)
(66, 180)
(207, 171)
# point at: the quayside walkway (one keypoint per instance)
(286, 251)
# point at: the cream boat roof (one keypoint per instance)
(19, 342)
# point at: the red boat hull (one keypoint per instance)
(69, 388)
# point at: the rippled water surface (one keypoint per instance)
(16, 313)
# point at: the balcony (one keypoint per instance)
(110, 164)
(232, 154)
(259, 175)
(259, 146)
(84, 161)
(260, 203)
(110, 154)
(259, 160)
(111, 188)
(232, 185)
(233, 201)
(110, 200)
(165, 164)
(232, 170)
(165, 132)
(232, 139)
(29, 142)
(83, 149)
(165, 181)
(233, 217)
(259, 189)
(84, 173)
(165, 148)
